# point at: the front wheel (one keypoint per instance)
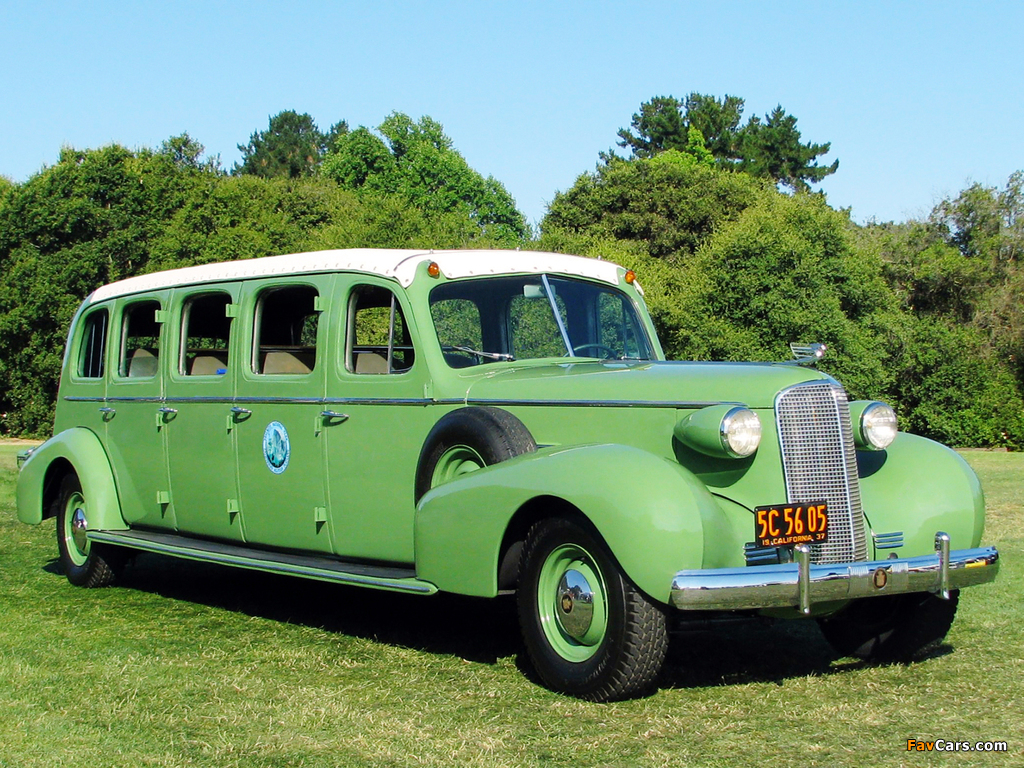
(588, 631)
(84, 563)
(891, 629)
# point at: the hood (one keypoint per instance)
(637, 383)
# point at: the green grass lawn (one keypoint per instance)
(194, 665)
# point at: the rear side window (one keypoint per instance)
(285, 331)
(140, 341)
(93, 345)
(205, 334)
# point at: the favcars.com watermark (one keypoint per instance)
(945, 745)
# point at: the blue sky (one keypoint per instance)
(918, 99)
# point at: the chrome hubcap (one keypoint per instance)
(79, 526)
(575, 604)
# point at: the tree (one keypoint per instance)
(718, 122)
(291, 147)
(986, 222)
(416, 161)
(769, 148)
(667, 204)
(659, 125)
(772, 149)
(186, 152)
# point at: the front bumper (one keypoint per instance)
(802, 584)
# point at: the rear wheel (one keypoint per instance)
(84, 563)
(894, 628)
(588, 631)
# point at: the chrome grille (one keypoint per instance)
(820, 464)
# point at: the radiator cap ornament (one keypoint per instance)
(807, 354)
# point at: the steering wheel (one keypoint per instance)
(609, 353)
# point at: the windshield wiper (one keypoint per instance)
(478, 353)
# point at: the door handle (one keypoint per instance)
(333, 416)
(163, 415)
(238, 413)
(107, 413)
(325, 417)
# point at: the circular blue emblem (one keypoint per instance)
(276, 448)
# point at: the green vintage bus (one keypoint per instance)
(486, 422)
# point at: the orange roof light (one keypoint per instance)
(433, 269)
(630, 276)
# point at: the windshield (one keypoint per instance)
(517, 318)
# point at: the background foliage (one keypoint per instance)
(737, 256)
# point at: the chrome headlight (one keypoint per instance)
(741, 432)
(875, 425)
(723, 431)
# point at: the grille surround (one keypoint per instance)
(819, 461)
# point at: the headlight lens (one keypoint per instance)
(741, 432)
(878, 426)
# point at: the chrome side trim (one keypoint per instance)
(421, 401)
(798, 585)
(681, 404)
(268, 400)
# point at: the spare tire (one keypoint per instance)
(469, 439)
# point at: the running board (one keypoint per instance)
(307, 566)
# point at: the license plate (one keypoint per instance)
(781, 525)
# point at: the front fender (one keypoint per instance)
(651, 513)
(79, 450)
(918, 486)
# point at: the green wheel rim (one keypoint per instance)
(78, 553)
(457, 460)
(561, 561)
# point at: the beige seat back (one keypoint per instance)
(143, 363)
(288, 362)
(209, 364)
(371, 362)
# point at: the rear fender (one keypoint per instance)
(75, 450)
(650, 512)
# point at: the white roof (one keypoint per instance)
(397, 264)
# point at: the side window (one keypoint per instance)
(92, 345)
(378, 337)
(285, 331)
(140, 341)
(205, 332)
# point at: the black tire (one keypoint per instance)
(85, 563)
(614, 649)
(891, 629)
(468, 439)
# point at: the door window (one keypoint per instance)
(378, 337)
(140, 341)
(205, 335)
(286, 331)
